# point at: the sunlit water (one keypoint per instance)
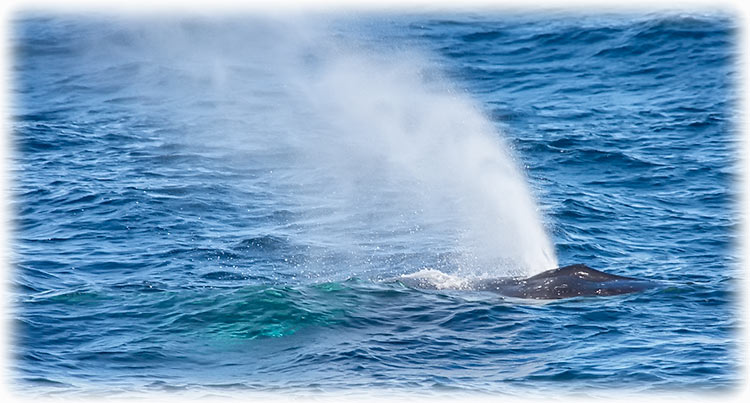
(214, 205)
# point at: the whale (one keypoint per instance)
(576, 280)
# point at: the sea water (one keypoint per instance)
(219, 205)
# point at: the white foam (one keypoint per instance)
(435, 279)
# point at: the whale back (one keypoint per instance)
(576, 280)
(580, 271)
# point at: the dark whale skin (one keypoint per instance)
(577, 280)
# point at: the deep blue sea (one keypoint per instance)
(224, 205)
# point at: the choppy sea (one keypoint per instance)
(220, 205)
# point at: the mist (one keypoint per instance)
(378, 155)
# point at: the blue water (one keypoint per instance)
(174, 229)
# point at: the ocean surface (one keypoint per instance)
(224, 205)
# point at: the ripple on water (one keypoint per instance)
(160, 247)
